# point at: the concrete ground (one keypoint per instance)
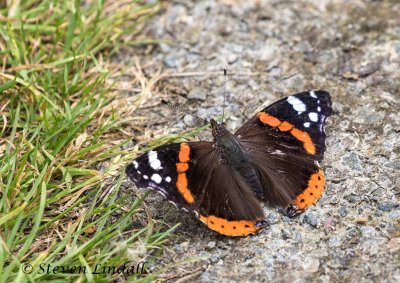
(273, 49)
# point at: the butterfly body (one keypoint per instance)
(273, 157)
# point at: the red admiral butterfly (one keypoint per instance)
(273, 157)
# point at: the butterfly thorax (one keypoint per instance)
(233, 154)
(231, 149)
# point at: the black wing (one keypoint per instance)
(192, 176)
(284, 142)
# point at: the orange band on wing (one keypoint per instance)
(182, 167)
(184, 152)
(182, 185)
(285, 126)
(305, 138)
(313, 191)
(270, 120)
(230, 228)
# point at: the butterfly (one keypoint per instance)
(273, 157)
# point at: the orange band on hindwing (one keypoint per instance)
(182, 167)
(285, 126)
(230, 228)
(313, 192)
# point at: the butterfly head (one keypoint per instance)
(218, 130)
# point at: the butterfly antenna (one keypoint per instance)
(184, 111)
(223, 105)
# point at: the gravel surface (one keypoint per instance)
(349, 48)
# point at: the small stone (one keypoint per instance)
(368, 231)
(352, 160)
(272, 218)
(232, 58)
(311, 265)
(215, 258)
(189, 120)
(343, 211)
(311, 219)
(165, 47)
(287, 234)
(197, 93)
(334, 241)
(395, 215)
(366, 115)
(354, 198)
(298, 237)
(393, 165)
(171, 61)
(225, 30)
(206, 277)
(387, 206)
(211, 245)
(205, 254)
(393, 245)
(184, 245)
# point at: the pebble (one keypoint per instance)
(184, 246)
(343, 211)
(388, 206)
(311, 219)
(197, 93)
(206, 277)
(311, 265)
(395, 215)
(189, 120)
(393, 245)
(272, 218)
(211, 244)
(334, 241)
(352, 160)
(215, 258)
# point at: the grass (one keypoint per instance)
(61, 162)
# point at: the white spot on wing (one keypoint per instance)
(145, 177)
(306, 124)
(154, 162)
(321, 126)
(313, 116)
(277, 152)
(319, 109)
(156, 178)
(135, 164)
(139, 172)
(168, 179)
(312, 94)
(297, 104)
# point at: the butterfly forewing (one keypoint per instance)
(284, 142)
